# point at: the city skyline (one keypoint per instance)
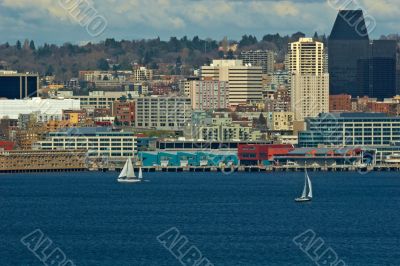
(136, 19)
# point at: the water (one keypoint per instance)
(239, 219)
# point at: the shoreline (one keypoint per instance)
(240, 169)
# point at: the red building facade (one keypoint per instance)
(6, 145)
(253, 154)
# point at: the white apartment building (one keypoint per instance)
(230, 132)
(310, 80)
(98, 75)
(162, 113)
(142, 74)
(46, 107)
(245, 81)
(100, 99)
(99, 143)
(209, 94)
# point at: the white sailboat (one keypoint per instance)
(140, 173)
(127, 174)
(307, 186)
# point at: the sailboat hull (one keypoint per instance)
(120, 180)
(302, 199)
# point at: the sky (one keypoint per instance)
(57, 21)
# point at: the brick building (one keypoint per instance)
(340, 103)
(124, 112)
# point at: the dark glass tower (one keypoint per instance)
(376, 75)
(347, 44)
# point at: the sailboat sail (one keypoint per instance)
(140, 173)
(130, 172)
(124, 170)
(310, 194)
(305, 187)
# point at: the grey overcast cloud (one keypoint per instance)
(47, 21)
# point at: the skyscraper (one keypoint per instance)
(310, 80)
(376, 75)
(347, 44)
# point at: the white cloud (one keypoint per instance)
(201, 17)
(286, 9)
(51, 7)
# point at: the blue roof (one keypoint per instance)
(354, 115)
(85, 130)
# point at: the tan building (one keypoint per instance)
(245, 81)
(281, 121)
(310, 80)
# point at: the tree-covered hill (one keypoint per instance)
(66, 60)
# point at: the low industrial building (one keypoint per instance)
(320, 157)
(194, 145)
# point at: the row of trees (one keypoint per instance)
(66, 60)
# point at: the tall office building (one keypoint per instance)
(262, 58)
(15, 85)
(310, 80)
(245, 82)
(347, 44)
(376, 75)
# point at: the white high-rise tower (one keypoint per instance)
(310, 80)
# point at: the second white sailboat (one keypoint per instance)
(127, 174)
(307, 187)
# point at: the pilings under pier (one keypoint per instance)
(22, 171)
(269, 169)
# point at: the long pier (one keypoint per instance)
(253, 169)
(210, 169)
